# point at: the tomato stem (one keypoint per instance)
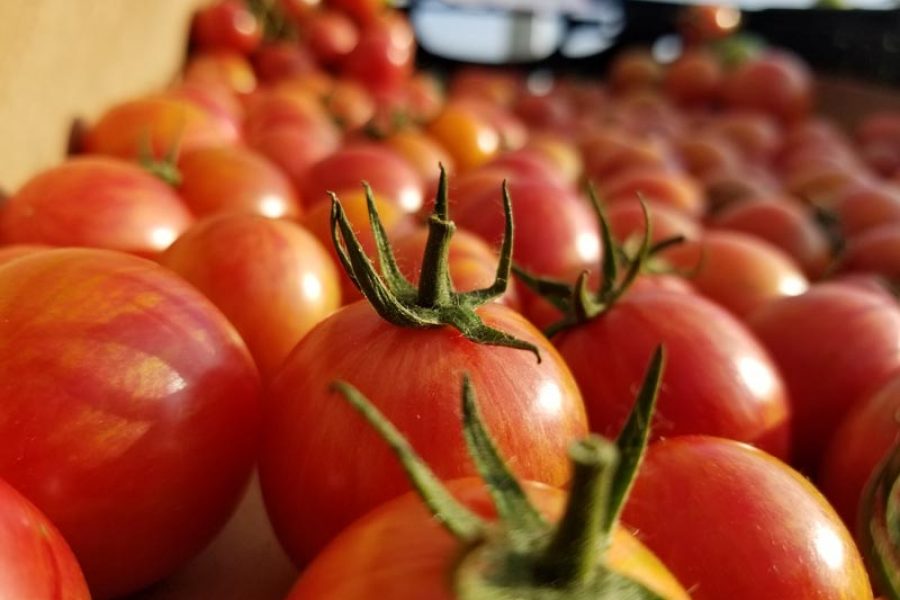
(434, 303)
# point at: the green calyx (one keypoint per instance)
(165, 168)
(521, 556)
(434, 303)
(619, 268)
(879, 525)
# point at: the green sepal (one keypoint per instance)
(879, 525)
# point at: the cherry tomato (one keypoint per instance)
(131, 410)
(467, 136)
(36, 561)
(834, 345)
(226, 24)
(399, 551)
(783, 539)
(272, 279)
(865, 207)
(532, 410)
(423, 153)
(874, 251)
(383, 58)
(695, 78)
(95, 201)
(662, 187)
(224, 68)
(232, 179)
(331, 35)
(633, 69)
(776, 82)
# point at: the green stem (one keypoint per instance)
(571, 558)
(435, 288)
(880, 525)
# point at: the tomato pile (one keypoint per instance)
(289, 260)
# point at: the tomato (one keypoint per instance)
(131, 410)
(467, 136)
(294, 150)
(399, 551)
(859, 444)
(776, 82)
(865, 207)
(215, 98)
(226, 24)
(230, 179)
(350, 104)
(389, 174)
(95, 201)
(738, 271)
(279, 61)
(36, 560)
(12, 251)
(878, 135)
(362, 11)
(720, 381)
(626, 221)
(527, 164)
(272, 279)
(874, 251)
(634, 68)
(561, 153)
(730, 185)
(834, 345)
(611, 151)
(331, 35)
(288, 107)
(383, 58)
(733, 522)
(656, 185)
(228, 69)
(785, 223)
(695, 78)
(423, 153)
(702, 23)
(706, 153)
(156, 125)
(534, 411)
(756, 135)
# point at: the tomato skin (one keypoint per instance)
(695, 78)
(626, 221)
(13, 251)
(851, 335)
(399, 551)
(532, 410)
(672, 189)
(777, 83)
(866, 207)
(859, 444)
(732, 522)
(226, 24)
(234, 179)
(166, 122)
(738, 271)
(468, 136)
(272, 279)
(223, 68)
(719, 380)
(874, 251)
(383, 58)
(95, 201)
(35, 560)
(152, 401)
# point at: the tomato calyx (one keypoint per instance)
(274, 22)
(520, 555)
(879, 525)
(165, 168)
(434, 303)
(577, 303)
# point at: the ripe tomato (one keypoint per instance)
(776, 82)
(634, 69)
(784, 223)
(719, 380)
(859, 444)
(234, 179)
(226, 24)
(331, 35)
(818, 340)
(130, 410)
(626, 221)
(399, 551)
(874, 251)
(95, 201)
(272, 279)
(865, 207)
(660, 186)
(223, 68)
(156, 124)
(12, 251)
(695, 78)
(423, 153)
(383, 58)
(35, 560)
(738, 271)
(469, 137)
(733, 522)
(533, 410)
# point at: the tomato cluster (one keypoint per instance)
(304, 216)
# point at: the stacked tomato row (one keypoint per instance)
(177, 299)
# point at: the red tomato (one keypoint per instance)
(562, 154)
(234, 179)
(294, 150)
(389, 174)
(12, 251)
(859, 444)
(732, 184)
(287, 106)
(226, 24)
(362, 11)
(754, 134)
(659, 186)
(331, 35)
(423, 153)
(719, 380)
(865, 207)
(399, 551)
(532, 410)
(384, 56)
(35, 560)
(784, 223)
(834, 346)
(776, 82)
(634, 69)
(695, 78)
(733, 522)
(626, 221)
(738, 271)
(278, 61)
(874, 251)
(609, 152)
(131, 410)
(350, 105)
(228, 69)
(706, 153)
(95, 201)
(157, 124)
(878, 135)
(272, 279)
